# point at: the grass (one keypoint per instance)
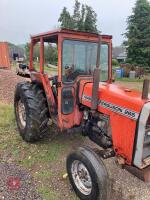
(115, 66)
(44, 174)
(50, 70)
(41, 159)
(42, 153)
(48, 195)
(7, 120)
(14, 65)
(134, 84)
(125, 79)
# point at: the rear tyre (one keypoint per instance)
(88, 175)
(31, 111)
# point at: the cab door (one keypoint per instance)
(77, 61)
(68, 111)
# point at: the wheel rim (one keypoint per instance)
(81, 177)
(21, 114)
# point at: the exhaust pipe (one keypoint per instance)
(96, 78)
(145, 89)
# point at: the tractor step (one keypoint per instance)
(105, 154)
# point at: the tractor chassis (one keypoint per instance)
(142, 174)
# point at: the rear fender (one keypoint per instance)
(43, 79)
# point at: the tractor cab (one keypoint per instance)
(77, 61)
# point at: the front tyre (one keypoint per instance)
(88, 175)
(31, 111)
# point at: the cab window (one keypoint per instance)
(79, 58)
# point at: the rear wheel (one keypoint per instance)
(31, 111)
(88, 175)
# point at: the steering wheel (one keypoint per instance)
(55, 80)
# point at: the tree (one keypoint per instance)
(90, 20)
(138, 34)
(84, 18)
(27, 51)
(65, 19)
(50, 54)
(76, 15)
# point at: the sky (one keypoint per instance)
(21, 18)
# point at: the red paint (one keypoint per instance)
(41, 55)
(123, 128)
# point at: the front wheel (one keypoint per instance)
(88, 175)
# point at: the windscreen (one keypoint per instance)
(79, 58)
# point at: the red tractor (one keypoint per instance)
(83, 95)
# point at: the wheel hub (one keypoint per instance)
(81, 177)
(22, 114)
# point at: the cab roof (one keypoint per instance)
(52, 36)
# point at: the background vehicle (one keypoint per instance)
(22, 70)
(82, 95)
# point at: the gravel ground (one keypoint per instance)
(16, 184)
(8, 81)
(124, 185)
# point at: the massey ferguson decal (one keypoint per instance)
(123, 111)
(115, 108)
